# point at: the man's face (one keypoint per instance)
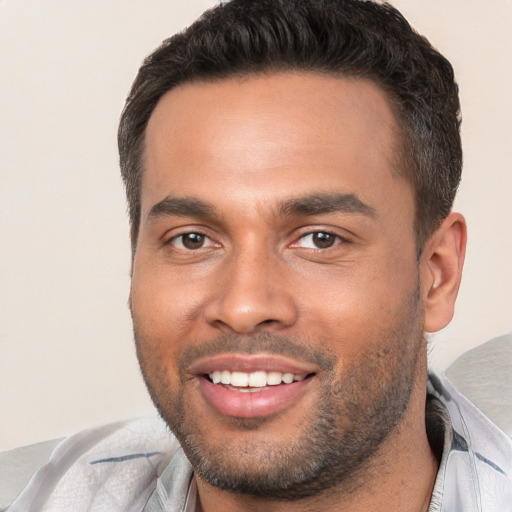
(275, 291)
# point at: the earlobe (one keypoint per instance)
(441, 269)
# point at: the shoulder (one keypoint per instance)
(113, 467)
(478, 469)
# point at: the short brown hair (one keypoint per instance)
(342, 37)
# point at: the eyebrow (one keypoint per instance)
(318, 204)
(314, 204)
(181, 207)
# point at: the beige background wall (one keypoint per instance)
(66, 353)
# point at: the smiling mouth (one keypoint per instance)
(255, 393)
(252, 385)
(245, 382)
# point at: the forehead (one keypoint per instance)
(272, 135)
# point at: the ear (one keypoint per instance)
(441, 270)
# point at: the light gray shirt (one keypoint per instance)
(139, 466)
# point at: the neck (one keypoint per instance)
(399, 477)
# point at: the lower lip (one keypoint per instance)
(269, 400)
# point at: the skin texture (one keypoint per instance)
(228, 272)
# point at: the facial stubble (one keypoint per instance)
(334, 444)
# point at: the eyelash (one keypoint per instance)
(188, 233)
(338, 239)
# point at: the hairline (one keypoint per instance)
(402, 132)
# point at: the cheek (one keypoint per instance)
(160, 302)
(154, 312)
(357, 304)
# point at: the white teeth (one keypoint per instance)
(288, 378)
(274, 378)
(258, 379)
(239, 379)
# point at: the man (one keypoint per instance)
(290, 168)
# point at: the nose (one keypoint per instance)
(251, 295)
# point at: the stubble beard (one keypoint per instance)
(334, 445)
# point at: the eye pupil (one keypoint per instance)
(193, 240)
(323, 240)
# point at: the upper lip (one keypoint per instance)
(250, 363)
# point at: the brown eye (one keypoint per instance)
(318, 240)
(191, 241)
(323, 240)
